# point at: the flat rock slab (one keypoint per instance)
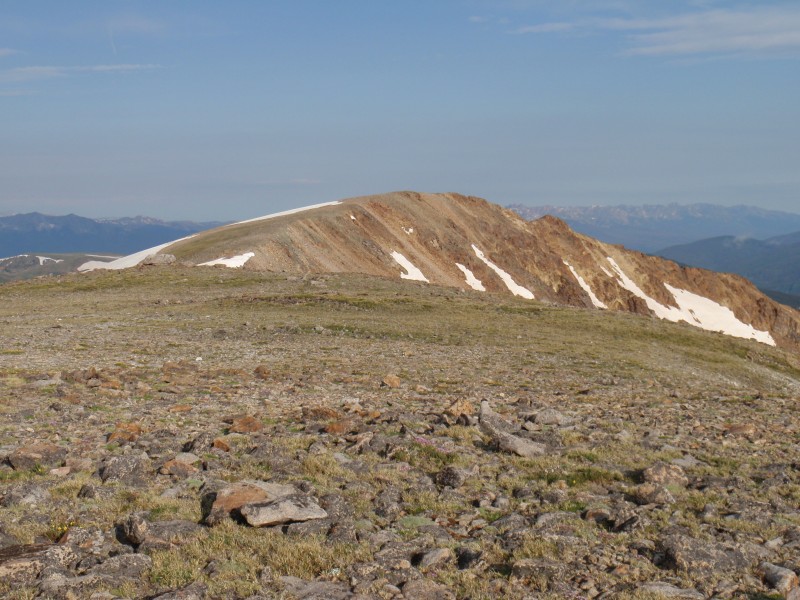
(665, 590)
(703, 558)
(289, 509)
(43, 455)
(232, 498)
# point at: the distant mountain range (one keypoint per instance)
(650, 228)
(772, 264)
(37, 233)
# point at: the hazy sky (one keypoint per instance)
(228, 110)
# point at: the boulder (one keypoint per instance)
(287, 509)
(498, 429)
(43, 454)
(221, 504)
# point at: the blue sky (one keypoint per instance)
(227, 110)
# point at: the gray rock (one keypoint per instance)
(666, 590)
(315, 590)
(26, 495)
(131, 469)
(497, 429)
(650, 493)
(43, 454)
(21, 565)
(134, 528)
(699, 558)
(424, 589)
(664, 474)
(124, 566)
(195, 591)
(778, 578)
(436, 557)
(159, 259)
(287, 509)
(550, 416)
(451, 477)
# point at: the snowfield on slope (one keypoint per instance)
(512, 285)
(695, 310)
(581, 282)
(234, 262)
(132, 260)
(126, 262)
(472, 281)
(412, 272)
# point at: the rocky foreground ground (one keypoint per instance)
(210, 434)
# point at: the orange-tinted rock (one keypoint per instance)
(391, 381)
(262, 372)
(312, 413)
(43, 454)
(221, 444)
(126, 432)
(340, 427)
(177, 468)
(224, 502)
(460, 407)
(245, 425)
(743, 429)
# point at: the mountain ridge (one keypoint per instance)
(772, 264)
(29, 233)
(464, 241)
(650, 228)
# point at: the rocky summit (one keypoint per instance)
(175, 432)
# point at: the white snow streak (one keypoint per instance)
(134, 259)
(44, 259)
(409, 230)
(353, 217)
(234, 262)
(129, 261)
(581, 282)
(287, 212)
(412, 272)
(696, 310)
(512, 285)
(472, 281)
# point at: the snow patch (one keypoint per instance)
(288, 212)
(412, 272)
(696, 310)
(13, 257)
(472, 281)
(44, 259)
(512, 285)
(126, 262)
(408, 230)
(353, 217)
(234, 262)
(585, 286)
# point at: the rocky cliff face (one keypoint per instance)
(467, 242)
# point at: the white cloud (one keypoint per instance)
(6, 52)
(758, 31)
(754, 31)
(33, 73)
